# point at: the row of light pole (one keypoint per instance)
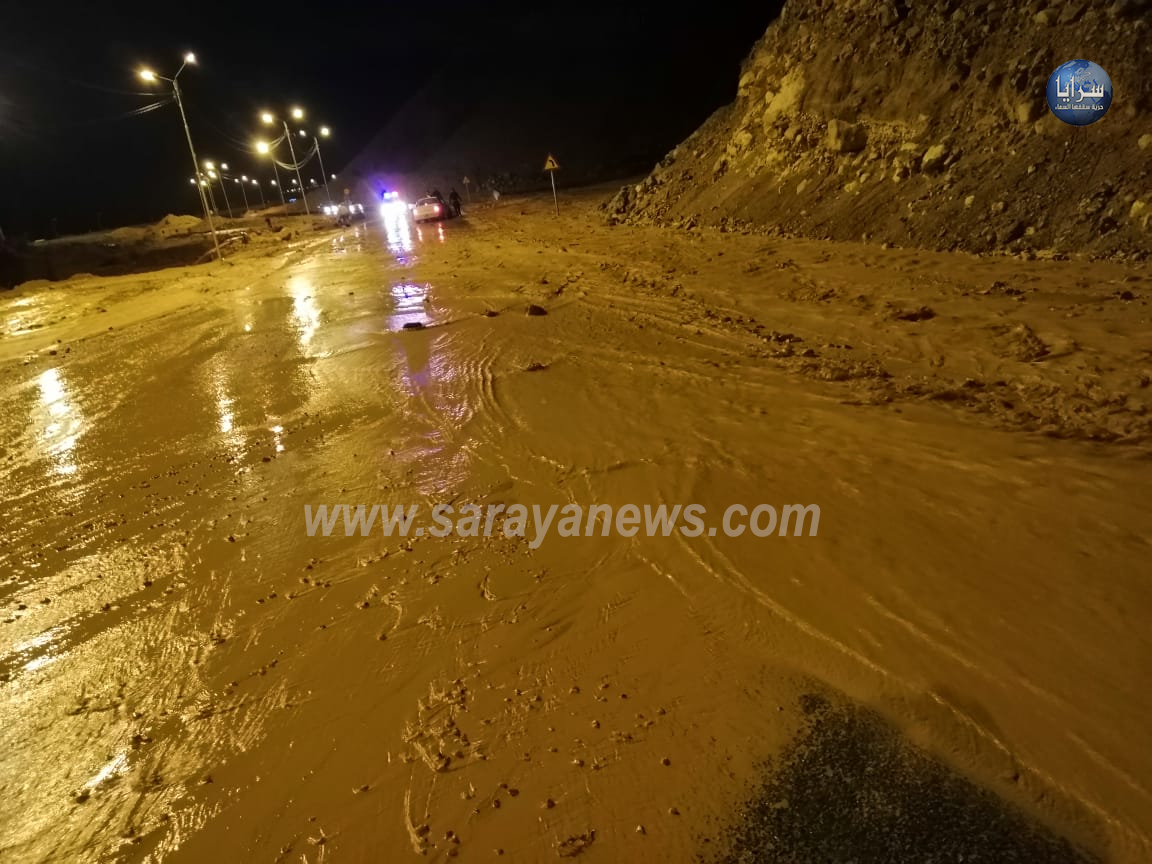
(210, 175)
(268, 148)
(204, 175)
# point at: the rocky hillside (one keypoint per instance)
(924, 124)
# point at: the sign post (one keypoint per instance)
(468, 189)
(552, 166)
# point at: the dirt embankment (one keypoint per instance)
(923, 124)
(174, 241)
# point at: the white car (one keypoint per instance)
(430, 209)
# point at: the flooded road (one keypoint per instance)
(187, 675)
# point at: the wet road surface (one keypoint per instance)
(188, 676)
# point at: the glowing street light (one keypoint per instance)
(206, 178)
(325, 132)
(243, 191)
(268, 119)
(150, 76)
(211, 168)
(265, 149)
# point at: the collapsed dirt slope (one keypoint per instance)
(923, 125)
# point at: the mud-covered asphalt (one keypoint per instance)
(955, 668)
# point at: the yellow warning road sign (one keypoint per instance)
(551, 164)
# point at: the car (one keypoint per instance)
(354, 213)
(430, 209)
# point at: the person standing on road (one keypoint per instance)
(454, 200)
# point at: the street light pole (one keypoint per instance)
(323, 174)
(224, 190)
(265, 148)
(260, 189)
(213, 174)
(292, 153)
(192, 150)
(244, 193)
(211, 195)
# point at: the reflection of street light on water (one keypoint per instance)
(150, 76)
(61, 420)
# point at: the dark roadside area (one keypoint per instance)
(174, 241)
(852, 790)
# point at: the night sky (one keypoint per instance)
(74, 156)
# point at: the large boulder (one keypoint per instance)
(845, 137)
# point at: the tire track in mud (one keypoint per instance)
(630, 309)
(952, 715)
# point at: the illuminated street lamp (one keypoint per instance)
(210, 167)
(324, 133)
(264, 148)
(256, 183)
(150, 76)
(206, 178)
(243, 192)
(268, 119)
(200, 184)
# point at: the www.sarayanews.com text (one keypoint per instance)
(571, 520)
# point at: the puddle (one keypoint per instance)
(411, 306)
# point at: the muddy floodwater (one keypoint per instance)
(956, 667)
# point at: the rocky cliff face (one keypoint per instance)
(924, 124)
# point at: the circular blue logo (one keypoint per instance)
(1079, 92)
